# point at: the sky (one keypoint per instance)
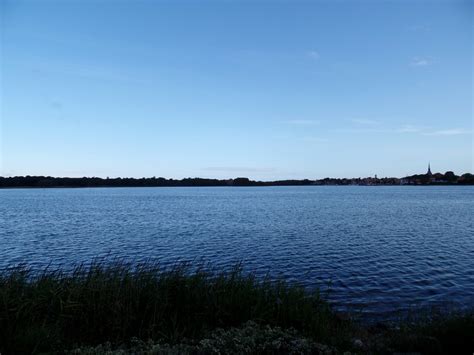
(222, 89)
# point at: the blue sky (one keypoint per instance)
(264, 89)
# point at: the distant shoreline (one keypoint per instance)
(216, 186)
(437, 179)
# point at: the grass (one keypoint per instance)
(104, 306)
(53, 311)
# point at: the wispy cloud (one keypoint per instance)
(365, 122)
(426, 131)
(238, 169)
(421, 61)
(314, 55)
(449, 132)
(408, 128)
(303, 122)
(367, 126)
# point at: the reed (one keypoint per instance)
(115, 302)
(143, 308)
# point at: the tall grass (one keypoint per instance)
(120, 305)
(53, 310)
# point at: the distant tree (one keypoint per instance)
(241, 181)
(466, 179)
(450, 176)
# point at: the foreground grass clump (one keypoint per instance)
(53, 311)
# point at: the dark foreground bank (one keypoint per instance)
(117, 308)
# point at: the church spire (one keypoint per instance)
(429, 170)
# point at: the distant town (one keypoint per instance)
(429, 178)
(448, 178)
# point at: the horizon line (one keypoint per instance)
(375, 176)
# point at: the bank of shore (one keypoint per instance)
(120, 308)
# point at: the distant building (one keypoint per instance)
(429, 173)
(405, 181)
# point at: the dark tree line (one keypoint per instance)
(448, 178)
(48, 181)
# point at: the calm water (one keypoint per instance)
(384, 249)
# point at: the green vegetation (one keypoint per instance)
(57, 311)
(119, 308)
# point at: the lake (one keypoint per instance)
(377, 250)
